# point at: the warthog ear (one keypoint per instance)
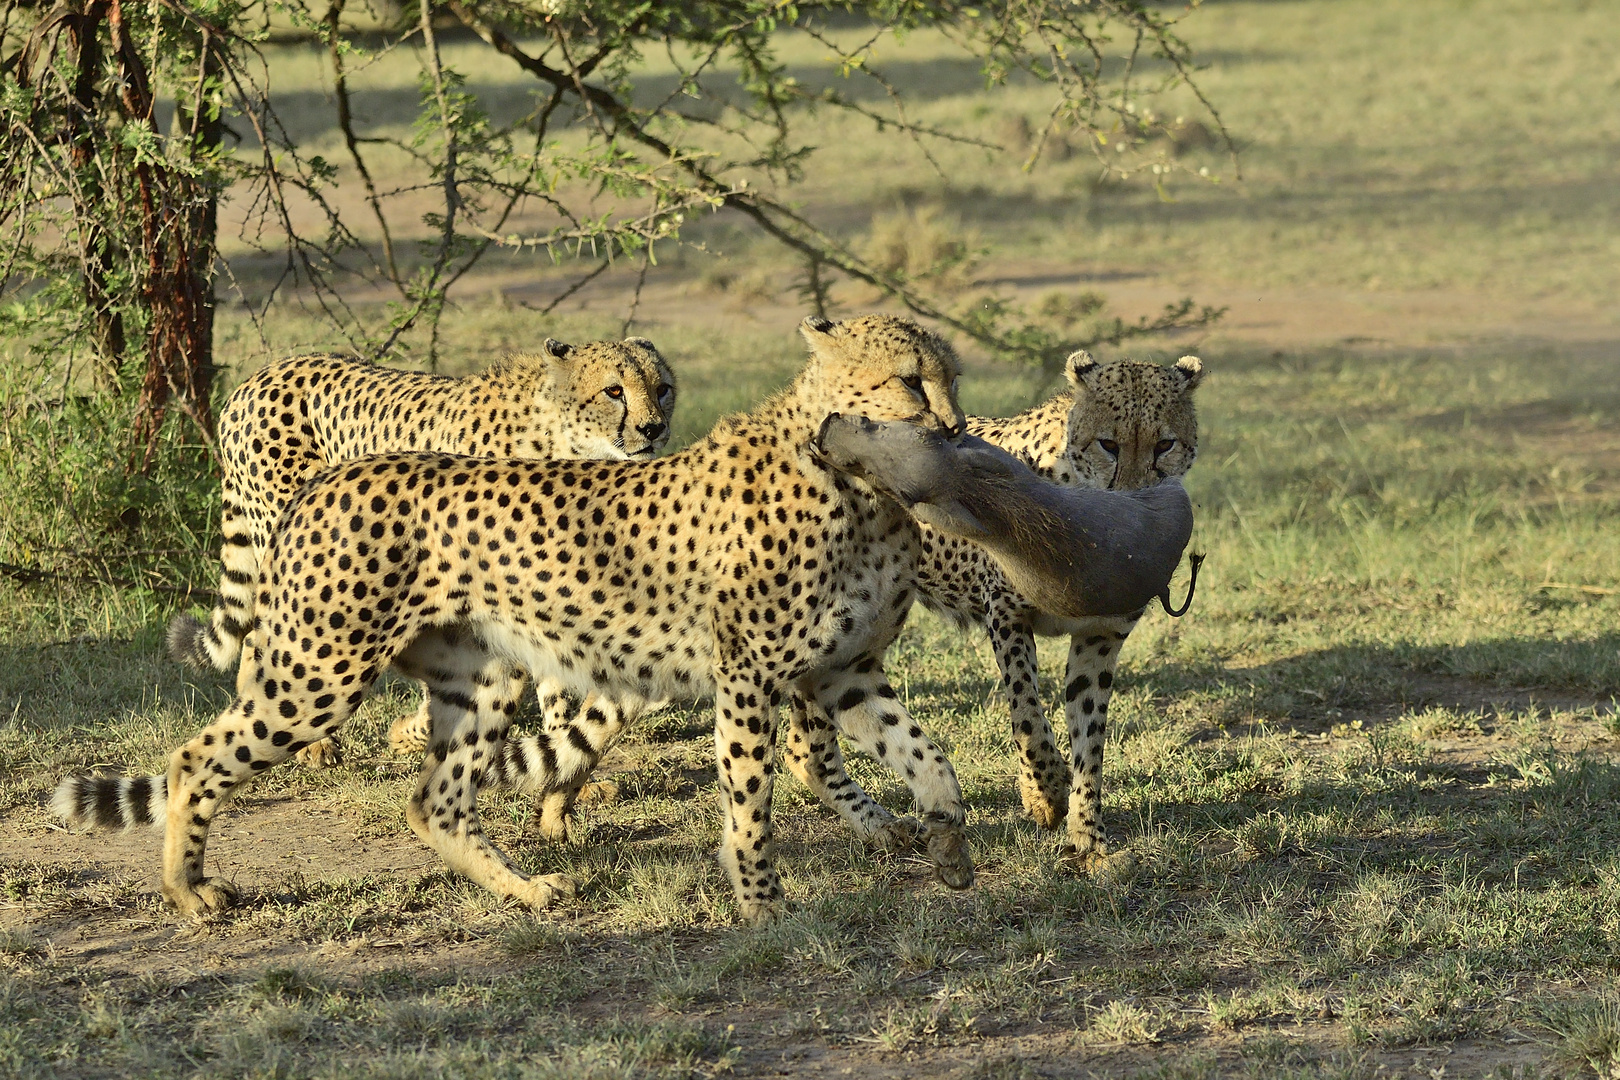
(558, 349)
(1079, 367)
(1192, 369)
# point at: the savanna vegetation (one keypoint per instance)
(1369, 784)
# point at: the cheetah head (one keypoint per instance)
(883, 368)
(611, 399)
(1132, 423)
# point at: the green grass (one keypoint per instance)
(1369, 784)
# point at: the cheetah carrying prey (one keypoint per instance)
(290, 420)
(1120, 426)
(740, 564)
(1071, 551)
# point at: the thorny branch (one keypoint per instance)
(345, 117)
(565, 194)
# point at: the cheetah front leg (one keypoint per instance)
(1043, 776)
(813, 755)
(862, 705)
(1088, 686)
(250, 736)
(745, 745)
(471, 698)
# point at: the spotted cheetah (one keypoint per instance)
(290, 420)
(740, 565)
(1119, 426)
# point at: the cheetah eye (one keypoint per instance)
(614, 392)
(912, 383)
(1163, 446)
(664, 390)
(1109, 446)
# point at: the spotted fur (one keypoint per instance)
(296, 417)
(1120, 426)
(739, 566)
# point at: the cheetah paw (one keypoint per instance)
(1047, 810)
(1114, 871)
(605, 792)
(201, 898)
(322, 754)
(1086, 853)
(1104, 868)
(558, 824)
(762, 912)
(409, 735)
(897, 836)
(1047, 807)
(558, 828)
(948, 850)
(542, 892)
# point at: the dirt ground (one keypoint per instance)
(1256, 318)
(265, 841)
(120, 933)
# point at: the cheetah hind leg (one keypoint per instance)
(601, 722)
(556, 818)
(443, 808)
(814, 756)
(201, 778)
(555, 808)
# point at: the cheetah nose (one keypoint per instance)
(652, 430)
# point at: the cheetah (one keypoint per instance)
(290, 420)
(740, 565)
(1120, 426)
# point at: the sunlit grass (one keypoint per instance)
(1308, 852)
(1368, 786)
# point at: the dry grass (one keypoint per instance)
(1368, 786)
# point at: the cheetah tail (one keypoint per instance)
(111, 802)
(537, 765)
(198, 644)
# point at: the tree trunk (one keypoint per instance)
(179, 227)
(83, 32)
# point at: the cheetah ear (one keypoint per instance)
(814, 327)
(1192, 369)
(557, 349)
(643, 342)
(1080, 366)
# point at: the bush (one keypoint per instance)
(78, 506)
